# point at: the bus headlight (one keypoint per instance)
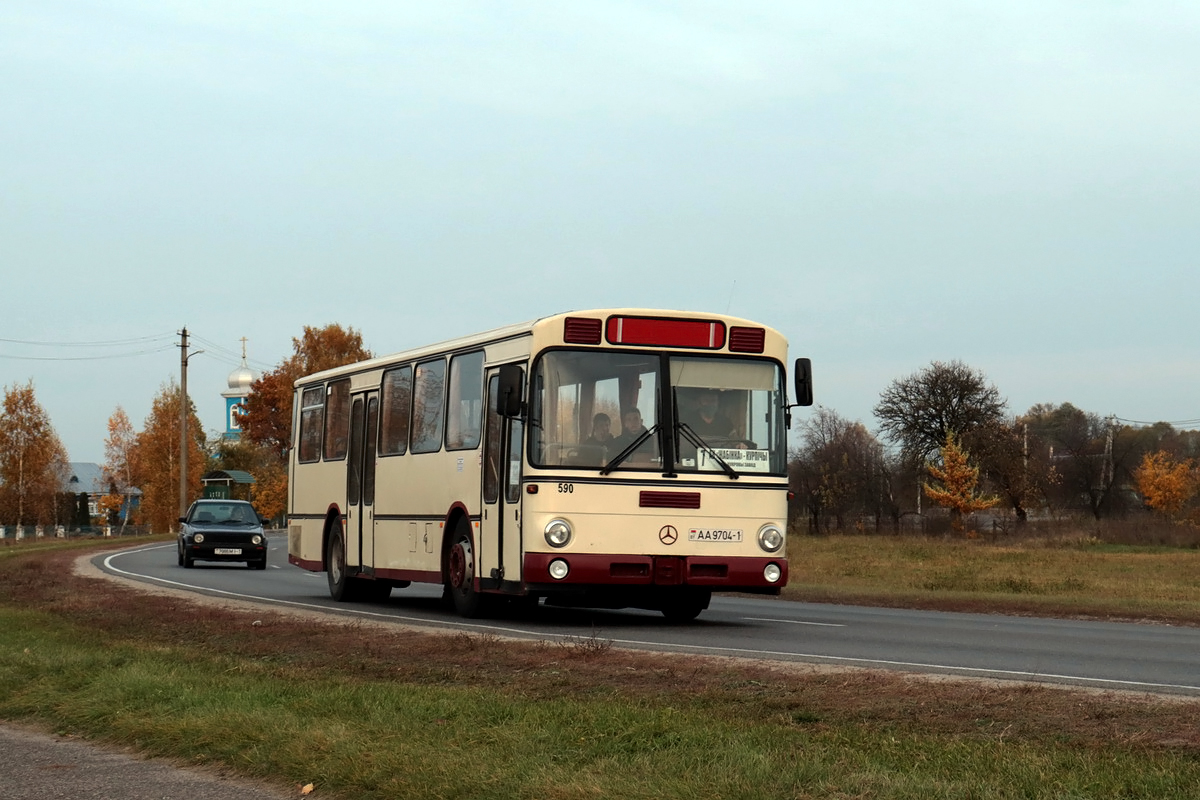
(770, 538)
(198, 538)
(772, 573)
(558, 569)
(558, 533)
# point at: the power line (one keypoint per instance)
(1174, 424)
(111, 343)
(89, 358)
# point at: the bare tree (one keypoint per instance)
(838, 471)
(920, 412)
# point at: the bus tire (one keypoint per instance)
(341, 586)
(686, 607)
(460, 572)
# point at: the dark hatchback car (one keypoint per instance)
(222, 530)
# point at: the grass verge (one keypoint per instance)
(1062, 577)
(370, 712)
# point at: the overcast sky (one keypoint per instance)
(1012, 185)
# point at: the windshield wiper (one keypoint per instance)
(700, 444)
(629, 449)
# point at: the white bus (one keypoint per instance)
(482, 464)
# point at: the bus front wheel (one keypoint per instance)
(460, 573)
(686, 606)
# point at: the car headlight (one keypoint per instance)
(558, 533)
(770, 538)
(256, 539)
(198, 538)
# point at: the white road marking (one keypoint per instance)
(796, 622)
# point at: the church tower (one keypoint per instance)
(239, 387)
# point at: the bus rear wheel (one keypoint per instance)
(341, 587)
(460, 573)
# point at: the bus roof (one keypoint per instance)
(521, 329)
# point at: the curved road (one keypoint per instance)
(1116, 656)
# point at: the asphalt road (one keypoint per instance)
(1117, 656)
(38, 766)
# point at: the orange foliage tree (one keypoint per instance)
(955, 483)
(265, 417)
(118, 464)
(33, 461)
(1166, 484)
(156, 460)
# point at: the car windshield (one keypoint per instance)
(224, 514)
(625, 411)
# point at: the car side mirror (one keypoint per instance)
(183, 519)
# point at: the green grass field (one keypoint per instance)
(369, 712)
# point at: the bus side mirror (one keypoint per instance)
(803, 376)
(510, 381)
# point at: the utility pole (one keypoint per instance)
(183, 419)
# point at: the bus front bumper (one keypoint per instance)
(545, 572)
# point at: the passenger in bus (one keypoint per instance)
(595, 450)
(632, 428)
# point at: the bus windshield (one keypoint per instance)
(707, 414)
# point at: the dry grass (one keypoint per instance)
(851, 733)
(592, 667)
(1063, 576)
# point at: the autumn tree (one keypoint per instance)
(33, 461)
(1094, 456)
(269, 492)
(921, 411)
(265, 418)
(156, 459)
(954, 484)
(839, 470)
(118, 464)
(266, 414)
(1165, 483)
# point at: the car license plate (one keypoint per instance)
(228, 551)
(714, 535)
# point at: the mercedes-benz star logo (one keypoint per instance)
(668, 535)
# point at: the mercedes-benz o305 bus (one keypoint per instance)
(620, 458)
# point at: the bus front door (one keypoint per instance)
(360, 482)
(500, 551)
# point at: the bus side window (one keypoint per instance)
(397, 400)
(465, 406)
(312, 417)
(337, 420)
(428, 385)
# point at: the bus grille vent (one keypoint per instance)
(669, 500)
